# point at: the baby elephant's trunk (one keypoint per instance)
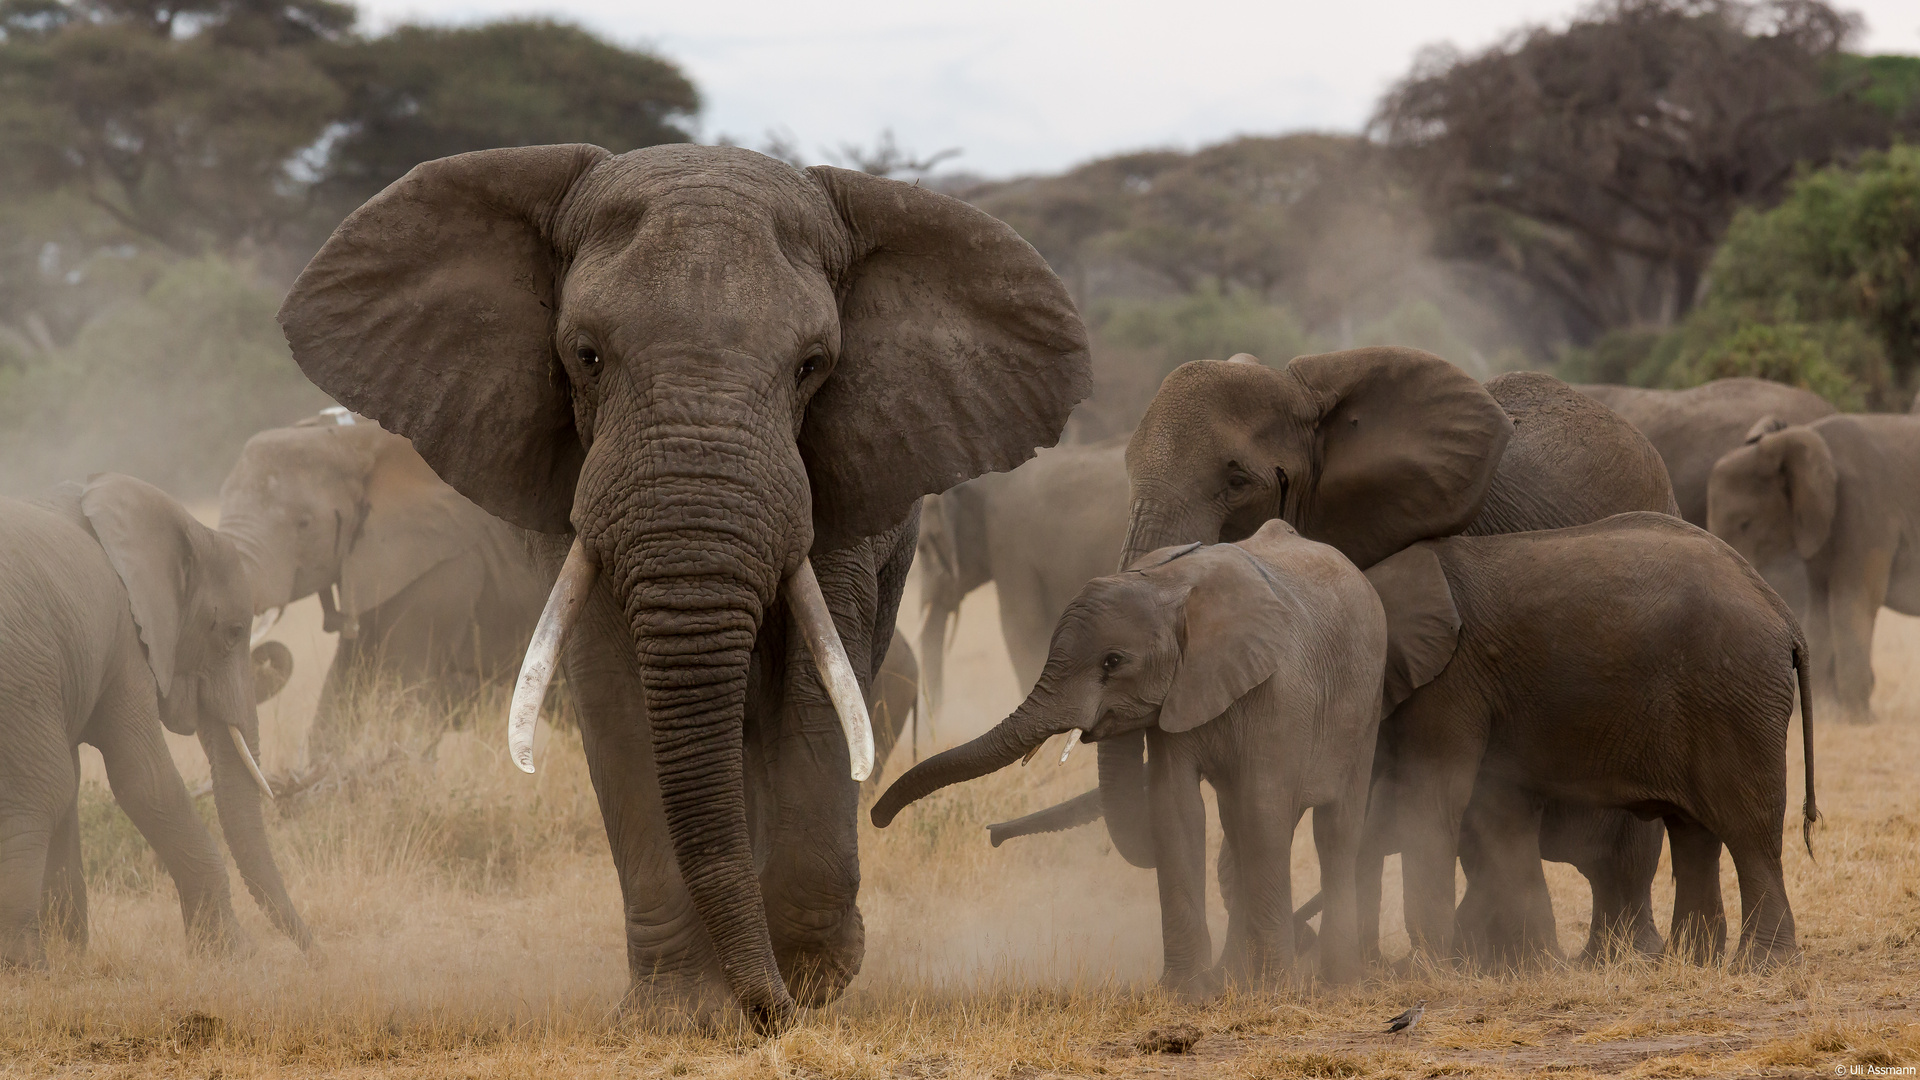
(1005, 744)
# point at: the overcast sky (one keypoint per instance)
(1037, 85)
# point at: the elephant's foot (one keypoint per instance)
(1194, 987)
(1698, 941)
(816, 978)
(216, 932)
(679, 1004)
(22, 950)
(1609, 943)
(818, 957)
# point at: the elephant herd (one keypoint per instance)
(664, 421)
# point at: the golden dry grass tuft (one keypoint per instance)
(469, 926)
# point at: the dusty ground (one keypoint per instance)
(469, 922)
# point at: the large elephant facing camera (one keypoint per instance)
(731, 381)
(423, 587)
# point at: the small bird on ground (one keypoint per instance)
(1406, 1020)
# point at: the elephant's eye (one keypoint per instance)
(589, 356)
(1111, 661)
(1280, 477)
(808, 365)
(1238, 481)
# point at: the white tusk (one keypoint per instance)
(836, 672)
(1036, 749)
(240, 744)
(543, 652)
(1073, 740)
(263, 623)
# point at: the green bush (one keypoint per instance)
(1210, 323)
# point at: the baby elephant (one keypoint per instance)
(1255, 666)
(120, 613)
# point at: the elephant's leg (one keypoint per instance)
(1180, 847)
(38, 778)
(1229, 876)
(1507, 833)
(63, 898)
(670, 960)
(1369, 868)
(1820, 639)
(1766, 918)
(147, 786)
(329, 736)
(1337, 829)
(1439, 742)
(1619, 855)
(1852, 607)
(1026, 622)
(1261, 818)
(1699, 930)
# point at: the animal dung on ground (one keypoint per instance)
(1176, 1039)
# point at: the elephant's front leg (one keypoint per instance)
(63, 898)
(1852, 607)
(1619, 855)
(1180, 850)
(1338, 831)
(1259, 814)
(670, 959)
(1428, 785)
(1507, 868)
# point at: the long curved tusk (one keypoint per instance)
(262, 623)
(543, 652)
(836, 672)
(1073, 740)
(246, 755)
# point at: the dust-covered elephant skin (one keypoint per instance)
(424, 588)
(1037, 533)
(1695, 427)
(1842, 496)
(1254, 666)
(121, 613)
(1370, 450)
(707, 368)
(893, 699)
(1637, 663)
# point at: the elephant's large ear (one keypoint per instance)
(430, 309)
(1236, 635)
(960, 353)
(147, 537)
(414, 522)
(1813, 486)
(1423, 626)
(1407, 444)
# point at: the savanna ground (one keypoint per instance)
(469, 925)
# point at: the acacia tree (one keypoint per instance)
(1603, 162)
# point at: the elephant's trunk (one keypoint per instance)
(1155, 521)
(268, 566)
(1007, 742)
(237, 800)
(1123, 796)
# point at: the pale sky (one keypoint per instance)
(1038, 85)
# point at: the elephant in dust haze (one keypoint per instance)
(423, 587)
(1255, 666)
(1636, 663)
(892, 698)
(1842, 495)
(1370, 450)
(120, 613)
(1037, 533)
(730, 381)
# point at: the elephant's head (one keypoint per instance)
(1173, 642)
(192, 607)
(337, 502)
(705, 364)
(1774, 497)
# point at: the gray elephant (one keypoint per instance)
(1637, 663)
(1255, 666)
(1037, 533)
(731, 382)
(424, 588)
(892, 699)
(1838, 494)
(120, 614)
(1370, 450)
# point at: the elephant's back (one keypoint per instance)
(1571, 461)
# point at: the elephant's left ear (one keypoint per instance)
(147, 537)
(960, 354)
(1423, 625)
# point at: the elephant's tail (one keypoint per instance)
(1809, 813)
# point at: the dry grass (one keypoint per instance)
(469, 921)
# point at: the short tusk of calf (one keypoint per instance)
(830, 658)
(246, 755)
(263, 623)
(1073, 740)
(543, 652)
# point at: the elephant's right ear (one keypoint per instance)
(1813, 485)
(147, 537)
(1423, 626)
(1408, 446)
(960, 353)
(272, 667)
(431, 308)
(1762, 428)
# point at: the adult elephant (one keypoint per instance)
(731, 381)
(1838, 495)
(424, 588)
(1371, 450)
(1693, 428)
(1038, 534)
(120, 614)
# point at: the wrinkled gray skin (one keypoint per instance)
(1370, 450)
(424, 588)
(1037, 533)
(120, 614)
(1637, 663)
(704, 366)
(1253, 666)
(1839, 495)
(892, 698)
